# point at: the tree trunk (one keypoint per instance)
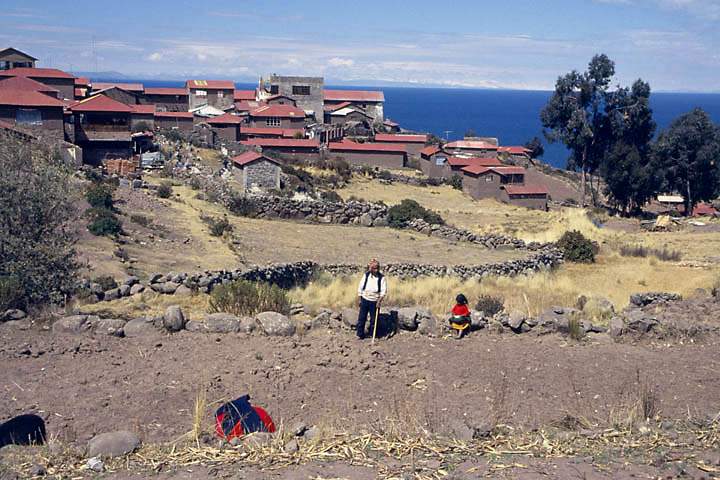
(584, 186)
(688, 199)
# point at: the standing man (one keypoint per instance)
(371, 291)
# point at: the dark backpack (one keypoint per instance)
(367, 275)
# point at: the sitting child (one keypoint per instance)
(460, 320)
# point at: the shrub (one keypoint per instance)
(164, 190)
(36, 232)
(11, 293)
(489, 304)
(218, 226)
(384, 175)
(408, 210)
(242, 206)
(173, 135)
(140, 219)
(456, 182)
(663, 254)
(99, 195)
(103, 222)
(242, 297)
(575, 329)
(195, 183)
(106, 282)
(576, 247)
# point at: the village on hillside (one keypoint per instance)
(285, 117)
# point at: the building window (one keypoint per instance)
(220, 94)
(201, 93)
(27, 116)
(301, 89)
(440, 161)
(489, 179)
(272, 122)
(274, 89)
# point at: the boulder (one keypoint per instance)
(183, 291)
(477, 320)
(73, 324)
(617, 327)
(247, 325)
(111, 326)
(322, 320)
(112, 294)
(124, 290)
(113, 444)
(409, 317)
(139, 327)
(350, 317)
(257, 439)
(515, 320)
(173, 319)
(222, 323)
(137, 288)
(194, 326)
(275, 324)
(428, 326)
(366, 220)
(131, 280)
(12, 314)
(167, 288)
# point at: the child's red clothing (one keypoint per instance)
(461, 310)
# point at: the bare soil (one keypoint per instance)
(85, 385)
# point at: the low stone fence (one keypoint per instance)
(489, 240)
(352, 212)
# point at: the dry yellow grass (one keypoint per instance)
(150, 304)
(612, 277)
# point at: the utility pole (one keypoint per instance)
(447, 133)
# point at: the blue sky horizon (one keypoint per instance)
(519, 45)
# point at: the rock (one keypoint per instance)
(380, 222)
(183, 291)
(173, 319)
(74, 324)
(95, 464)
(111, 326)
(477, 320)
(257, 439)
(247, 325)
(167, 288)
(312, 433)
(617, 327)
(12, 314)
(366, 220)
(428, 326)
(222, 323)
(275, 324)
(291, 447)
(322, 320)
(350, 317)
(124, 290)
(297, 309)
(515, 320)
(112, 294)
(460, 431)
(409, 317)
(131, 280)
(113, 444)
(299, 429)
(195, 327)
(139, 327)
(137, 288)
(155, 278)
(37, 470)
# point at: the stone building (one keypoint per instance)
(34, 112)
(166, 99)
(102, 127)
(506, 183)
(307, 92)
(216, 93)
(227, 127)
(369, 154)
(300, 149)
(14, 58)
(277, 116)
(369, 101)
(61, 81)
(413, 143)
(142, 114)
(528, 196)
(255, 170)
(479, 148)
(182, 121)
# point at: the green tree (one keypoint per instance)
(36, 236)
(575, 113)
(536, 148)
(687, 154)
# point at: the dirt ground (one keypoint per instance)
(85, 385)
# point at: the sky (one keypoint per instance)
(518, 44)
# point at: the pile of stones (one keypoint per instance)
(459, 235)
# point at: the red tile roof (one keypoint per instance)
(240, 95)
(400, 138)
(224, 119)
(35, 73)
(430, 150)
(525, 189)
(354, 96)
(478, 169)
(514, 150)
(248, 105)
(251, 156)
(348, 146)
(472, 145)
(465, 161)
(26, 84)
(210, 84)
(338, 106)
(281, 111)
(277, 132)
(26, 98)
(174, 114)
(166, 91)
(82, 82)
(283, 142)
(100, 103)
(143, 109)
(129, 87)
(79, 92)
(704, 209)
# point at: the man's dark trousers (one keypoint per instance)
(366, 307)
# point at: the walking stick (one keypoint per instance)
(377, 312)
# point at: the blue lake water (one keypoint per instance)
(511, 115)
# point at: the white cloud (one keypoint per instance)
(155, 57)
(341, 62)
